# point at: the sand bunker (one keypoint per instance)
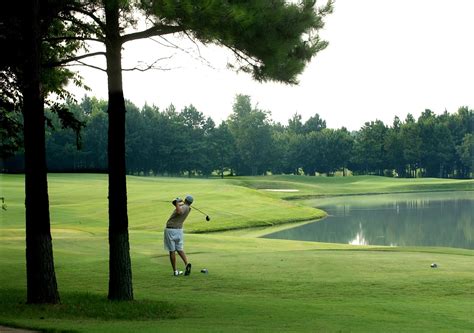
(280, 190)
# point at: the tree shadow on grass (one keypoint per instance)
(80, 305)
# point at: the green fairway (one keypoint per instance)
(253, 284)
(79, 202)
(311, 187)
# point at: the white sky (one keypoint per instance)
(385, 58)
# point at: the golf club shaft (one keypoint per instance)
(200, 211)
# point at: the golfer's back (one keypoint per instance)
(176, 220)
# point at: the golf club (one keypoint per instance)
(200, 211)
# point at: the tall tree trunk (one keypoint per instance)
(120, 269)
(40, 275)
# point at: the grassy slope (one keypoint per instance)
(310, 187)
(79, 202)
(252, 285)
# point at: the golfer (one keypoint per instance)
(174, 236)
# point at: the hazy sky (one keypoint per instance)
(385, 58)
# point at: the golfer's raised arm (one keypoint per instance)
(179, 209)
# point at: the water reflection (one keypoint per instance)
(428, 219)
(359, 239)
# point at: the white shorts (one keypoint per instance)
(173, 239)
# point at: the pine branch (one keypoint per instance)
(148, 67)
(66, 38)
(153, 31)
(241, 55)
(67, 60)
(80, 63)
(88, 14)
(84, 25)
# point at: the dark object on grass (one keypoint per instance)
(204, 270)
(433, 265)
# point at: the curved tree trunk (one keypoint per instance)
(40, 274)
(120, 270)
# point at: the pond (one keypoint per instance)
(409, 219)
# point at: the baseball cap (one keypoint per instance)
(189, 199)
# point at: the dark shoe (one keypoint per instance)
(188, 269)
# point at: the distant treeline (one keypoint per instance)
(171, 142)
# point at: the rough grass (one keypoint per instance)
(253, 285)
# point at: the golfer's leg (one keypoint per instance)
(183, 256)
(173, 260)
